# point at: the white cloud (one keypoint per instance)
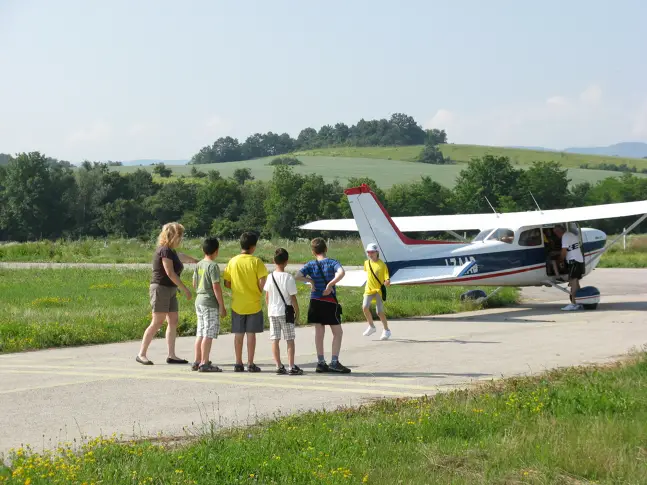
(591, 95)
(558, 101)
(97, 132)
(217, 126)
(441, 120)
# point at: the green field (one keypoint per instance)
(569, 427)
(348, 251)
(69, 307)
(464, 153)
(385, 172)
(117, 251)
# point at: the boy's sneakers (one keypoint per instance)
(253, 368)
(296, 371)
(281, 370)
(322, 367)
(571, 308)
(209, 368)
(369, 331)
(338, 367)
(386, 335)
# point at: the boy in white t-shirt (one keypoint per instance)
(283, 310)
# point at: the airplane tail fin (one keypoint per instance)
(376, 226)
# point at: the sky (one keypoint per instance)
(124, 79)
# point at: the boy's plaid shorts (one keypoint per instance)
(208, 321)
(278, 324)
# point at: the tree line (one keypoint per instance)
(42, 198)
(399, 129)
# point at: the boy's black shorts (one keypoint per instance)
(575, 270)
(324, 312)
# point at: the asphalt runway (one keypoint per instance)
(59, 395)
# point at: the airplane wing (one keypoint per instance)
(413, 275)
(463, 222)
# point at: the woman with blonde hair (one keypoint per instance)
(164, 286)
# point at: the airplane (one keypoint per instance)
(511, 249)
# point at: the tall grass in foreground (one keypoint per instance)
(68, 307)
(572, 426)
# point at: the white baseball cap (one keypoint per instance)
(371, 247)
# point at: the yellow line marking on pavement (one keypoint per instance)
(217, 380)
(393, 382)
(49, 386)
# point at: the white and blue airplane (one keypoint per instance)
(509, 250)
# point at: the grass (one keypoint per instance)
(348, 251)
(70, 307)
(392, 165)
(464, 153)
(571, 426)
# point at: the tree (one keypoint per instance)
(435, 137)
(124, 218)
(548, 183)
(242, 175)
(171, 201)
(213, 175)
(195, 173)
(92, 192)
(431, 154)
(162, 170)
(38, 197)
(422, 198)
(490, 177)
(4, 158)
(409, 132)
(141, 184)
(307, 139)
(226, 149)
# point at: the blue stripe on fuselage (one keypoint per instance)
(490, 262)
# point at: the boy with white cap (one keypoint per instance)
(376, 282)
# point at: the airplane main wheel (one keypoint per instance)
(473, 295)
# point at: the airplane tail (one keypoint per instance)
(376, 226)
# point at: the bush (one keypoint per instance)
(431, 154)
(286, 161)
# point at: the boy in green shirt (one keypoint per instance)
(209, 305)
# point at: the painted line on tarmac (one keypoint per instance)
(352, 380)
(217, 380)
(396, 382)
(52, 385)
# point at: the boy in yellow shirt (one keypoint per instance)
(245, 274)
(377, 277)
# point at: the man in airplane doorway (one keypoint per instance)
(572, 254)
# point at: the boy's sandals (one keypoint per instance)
(196, 365)
(239, 368)
(209, 368)
(281, 370)
(296, 371)
(253, 368)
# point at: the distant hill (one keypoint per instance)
(144, 162)
(626, 149)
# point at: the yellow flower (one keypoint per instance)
(28, 481)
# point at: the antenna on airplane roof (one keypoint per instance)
(533, 198)
(491, 206)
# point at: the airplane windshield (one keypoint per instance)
(503, 235)
(482, 235)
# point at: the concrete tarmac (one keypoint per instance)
(59, 395)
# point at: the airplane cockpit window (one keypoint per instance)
(482, 235)
(531, 237)
(503, 235)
